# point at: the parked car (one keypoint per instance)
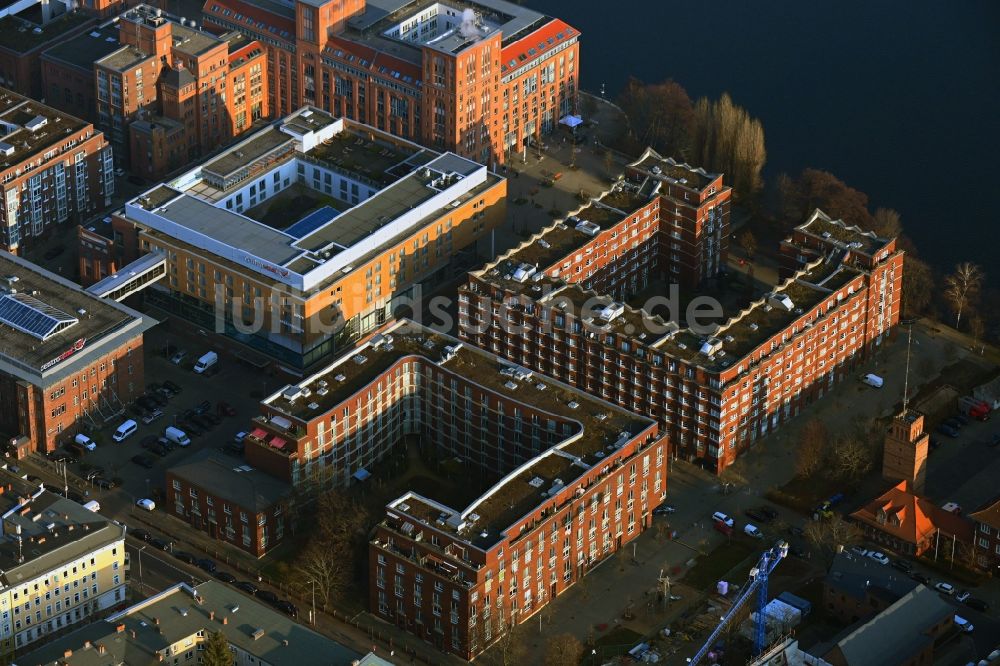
(288, 608)
(878, 556)
(172, 386)
(143, 461)
(795, 530)
(858, 550)
(159, 544)
(720, 517)
(752, 531)
(191, 429)
(948, 430)
(662, 510)
(138, 409)
(146, 504)
(267, 596)
(202, 421)
(225, 577)
(920, 578)
(241, 435)
(185, 557)
(768, 512)
(996, 440)
(206, 564)
(141, 535)
(902, 565)
(211, 418)
(247, 586)
(225, 409)
(954, 423)
(178, 357)
(203, 407)
(962, 419)
(979, 605)
(147, 403)
(105, 484)
(152, 416)
(755, 514)
(945, 588)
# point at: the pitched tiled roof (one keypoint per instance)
(909, 517)
(529, 47)
(989, 514)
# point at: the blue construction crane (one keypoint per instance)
(757, 583)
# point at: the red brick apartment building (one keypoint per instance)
(163, 91)
(230, 501)
(68, 360)
(986, 537)
(481, 78)
(555, 305)
(54, 169)
(24, 35)
(545, 481)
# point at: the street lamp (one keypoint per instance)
(139, 559)
(312, 583)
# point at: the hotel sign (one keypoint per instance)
(270, 268)
(74, 348)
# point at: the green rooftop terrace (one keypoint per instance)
(21, 36)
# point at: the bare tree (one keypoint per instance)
(826, 535)
(749, 243)
(962, 287)
(887, 223)
(609, 163)
(563, 650)
(978, 329)
(507, 642)
(918, 285)
(330, 558)
(726, 139)
(810, 455)
(852, 458)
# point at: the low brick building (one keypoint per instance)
(911, 525)
(69, 360)
(986, 535)
(230, 501)
(857, 587)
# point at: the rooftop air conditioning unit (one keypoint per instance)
(588, 228)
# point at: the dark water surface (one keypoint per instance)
(901, 100)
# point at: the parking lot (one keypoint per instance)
(964, 469)
(235, 384)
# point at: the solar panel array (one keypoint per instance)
(32, 316)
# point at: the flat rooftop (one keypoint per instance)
(126, 57)
(84, 49)
(232, 480)
(850, 237)
(55, 309)
(670, 170)
(441, 25)
(28, 127)
(181, 612)
(558, 241)
(399, 186)
(54, 531)
(21, 35)
(599, 424)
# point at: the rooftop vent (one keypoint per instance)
(609, 312)
(6, 149)
(588, 228)
(291, 393)
(257, 634)
(781, 301)
(753, 326)
(340, 378)
(711, 346)
(523, 272)
(36, 123)
(360, 359)
(536, 482)
(573, 404)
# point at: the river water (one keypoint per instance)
(901, 100)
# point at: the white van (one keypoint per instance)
(872, 380)
(95, 506)
(85, 442)
(752, 531)
(125, 430)
(206, 361)
(177, 436)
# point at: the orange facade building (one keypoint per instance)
(308, 234)
(163, 91)
(483, 79)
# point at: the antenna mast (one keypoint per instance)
(906, 380)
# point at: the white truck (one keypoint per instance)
(872, 380)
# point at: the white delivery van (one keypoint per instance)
(85, 442)
(206, 361)
(92, 505)
(177, 436)
(872, 380)
(752, 531)
(720, 517)
(125, 430)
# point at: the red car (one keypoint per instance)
(225, 409)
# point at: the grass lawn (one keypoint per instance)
(804, 494)
(711, 568)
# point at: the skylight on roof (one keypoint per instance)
(29, 315)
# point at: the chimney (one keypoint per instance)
(68, 654)
(120, 628)
(225, 620)
(86, 645)
(156, 621)
(132, 633)
(159, 656)
(211, 615)
(101, 649)
(284, 642)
